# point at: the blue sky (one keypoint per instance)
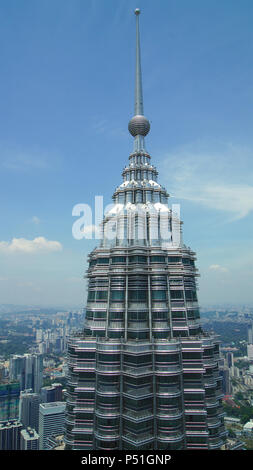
(67, 93)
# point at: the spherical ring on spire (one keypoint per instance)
(139, 125)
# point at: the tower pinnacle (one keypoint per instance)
(139, 125)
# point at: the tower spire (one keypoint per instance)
(138, 79)
(138, 126)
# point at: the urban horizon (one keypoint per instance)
(201, 137)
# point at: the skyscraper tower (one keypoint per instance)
(142, 374)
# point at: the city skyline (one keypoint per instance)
(65, 106)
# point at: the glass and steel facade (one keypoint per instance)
(142, 373)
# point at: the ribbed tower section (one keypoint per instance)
(142, 373)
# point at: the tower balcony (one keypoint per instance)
(210, 382)
(82, 387)
(107, 412)
(137, 325)
(136, 371)
(138, 393)
(170, 436)
(215, 442)
(106, 434)
(169, 391)
(83, 365)
(108, 368)
(116, 325)
(168, 369)
(213, 422)
(162, 325)
(138, 439)
(108, 390)
(212, 402)
(174, 413)
(137, 348)
(141, 415)
(137, 306)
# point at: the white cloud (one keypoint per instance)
(217, 179)
(218, 267)
(37, 245)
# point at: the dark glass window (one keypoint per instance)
(115, 334)
(137, 259)
(178, 315)
(138, 335)
(91, 295)
(97, 295)
(160, 316)
(138, 316)
(159, 295)
(176, 294)
(93, 262)
(157, 259)
(160, 334)
(116, 316)
(190, 295)
(103, 261)
(174, 259)
(117, 295)
(101, 315)
(101, 295)
(118, 259)
(137, 295)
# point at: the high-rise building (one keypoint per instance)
(28, 369)
(9, 401)
(250, 333)
(51, 421)
(10, 435)
(51, 393)
(226, 382)
(29, 439)
(29, 409)
(17, 369)
(142, 373)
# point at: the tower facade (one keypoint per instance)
(142, 373)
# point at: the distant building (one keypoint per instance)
(29, 409)
(10, 435)
(226, 385)
(9, 401)
(250, 333)
(39, 335)
(248, 427)
(231, 420)
(51, 421)
(29, 439)
(28, 369)
(56, 442)
(234, 444)
(51, 393)
(2, 372)
(250, 352)
(230, 359)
